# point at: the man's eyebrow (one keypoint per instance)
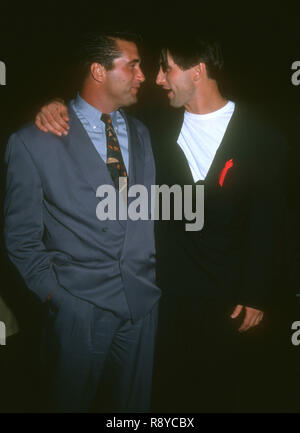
(134, 61)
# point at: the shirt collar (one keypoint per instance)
(92, 115)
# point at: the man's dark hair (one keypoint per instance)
(101, 47)
(191, 51)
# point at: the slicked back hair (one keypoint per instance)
(189, 52)
(101, 47)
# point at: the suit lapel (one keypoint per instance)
(173, 166)
(85, 155)
(136, 153)
(136, 157)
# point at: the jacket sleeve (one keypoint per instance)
(23, 225)
(265, 229)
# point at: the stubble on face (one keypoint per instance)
(124, 79)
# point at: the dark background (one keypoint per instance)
(260, 44)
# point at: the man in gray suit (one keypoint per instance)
(95, 278)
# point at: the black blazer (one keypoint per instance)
(237, 253)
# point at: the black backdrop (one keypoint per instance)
(260, 44)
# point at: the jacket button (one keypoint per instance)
(105, 229)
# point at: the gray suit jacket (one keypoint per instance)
(52, 233)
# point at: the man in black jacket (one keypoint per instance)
(225, 271)
(216, 282)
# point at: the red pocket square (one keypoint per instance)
(223, 173)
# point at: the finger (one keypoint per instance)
(58, 111)
(38, 123)
(252, 322)
(43, 123)
(49, 126)
(246, 322)
(258, 319)
(64, 113)
(59, 117)
(244, 326)
(254, 315)
(55, 125)
(252, 319)
(236, 311)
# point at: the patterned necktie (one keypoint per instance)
(114, 159)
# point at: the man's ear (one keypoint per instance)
(199, 71)
(98, 72)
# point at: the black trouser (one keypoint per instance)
(197, 356)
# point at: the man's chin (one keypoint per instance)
(173, 103)
(130, 101)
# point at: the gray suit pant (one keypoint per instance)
(95, 361)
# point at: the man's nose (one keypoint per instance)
(140, 75)
(160, 78)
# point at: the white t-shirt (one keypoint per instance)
(200, 137)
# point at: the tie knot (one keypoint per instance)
(106, 119)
